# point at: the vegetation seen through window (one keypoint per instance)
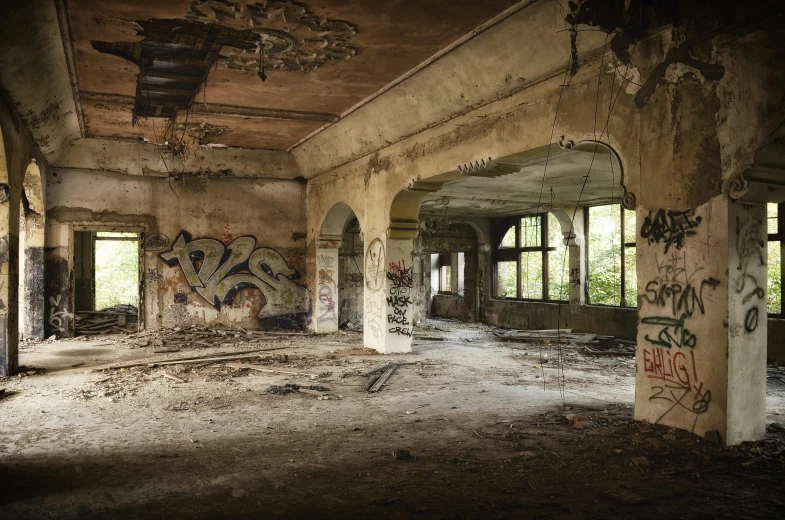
(532, 260)
(116, 270)
(611, 256)
(775, 258)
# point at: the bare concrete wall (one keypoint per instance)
(227, 251)
(612, 321)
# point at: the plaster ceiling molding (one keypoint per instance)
(292, 36)
(764, 180)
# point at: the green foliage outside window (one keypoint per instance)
(531, 256)
(116, 273)
(605, 262)
(506, 280)
(774, 266)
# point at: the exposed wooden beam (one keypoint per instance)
(217, 109)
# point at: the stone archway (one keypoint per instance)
(389, 273)
(328, 244)
(8, 345)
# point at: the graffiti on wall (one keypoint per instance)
(399, 300)
(58, 314)
(326, 282)
(669, 227)
(374, 266)
(676, 289)
(58, 278)
(674, 378)
(155, 242)
(672, 332)
(749, 248)
(217, 272)
(375, 314)
(676, 294)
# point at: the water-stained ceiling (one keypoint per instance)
(137, 63)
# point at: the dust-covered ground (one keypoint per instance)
(483, 422)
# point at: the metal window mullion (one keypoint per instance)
(544, 248)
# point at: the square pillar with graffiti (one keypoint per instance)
(701, 357)
(326, 304)
(399, 296)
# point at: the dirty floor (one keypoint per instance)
(467, 427)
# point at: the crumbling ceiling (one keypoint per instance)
(321, 60)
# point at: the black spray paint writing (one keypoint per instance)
(669, 227)
(156, 242)
(673, 332)
(575, 276)
(749, 247)
(399, 298)
(676, 289)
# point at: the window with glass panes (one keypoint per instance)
(775, 219)
(610, 249)
(531, 260)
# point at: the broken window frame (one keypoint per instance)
(622, 256)
(779, 236)
(510, 254)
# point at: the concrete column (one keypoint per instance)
(58, 280)
(375, 306)
(326, 304)
(701, 357)
(399, 297)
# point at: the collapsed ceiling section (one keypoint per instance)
(175, 56)
(140, 61)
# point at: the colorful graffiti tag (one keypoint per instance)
(217, 272)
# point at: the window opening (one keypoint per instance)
(612, 275)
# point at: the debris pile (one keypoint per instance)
(173, 339)
(593, 344)
(289, 388)
(117, 319)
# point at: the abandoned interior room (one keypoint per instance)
(396, 259)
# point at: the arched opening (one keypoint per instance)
(31, 255)
(339, 272)
(350, 278)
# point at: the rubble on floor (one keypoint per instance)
(775, 373)
(289, 388)
(174, 339)
(593, 344)
(119, 318)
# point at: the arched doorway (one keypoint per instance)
(335, 258)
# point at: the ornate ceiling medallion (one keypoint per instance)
(293, 38)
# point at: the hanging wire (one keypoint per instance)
(560, 368)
